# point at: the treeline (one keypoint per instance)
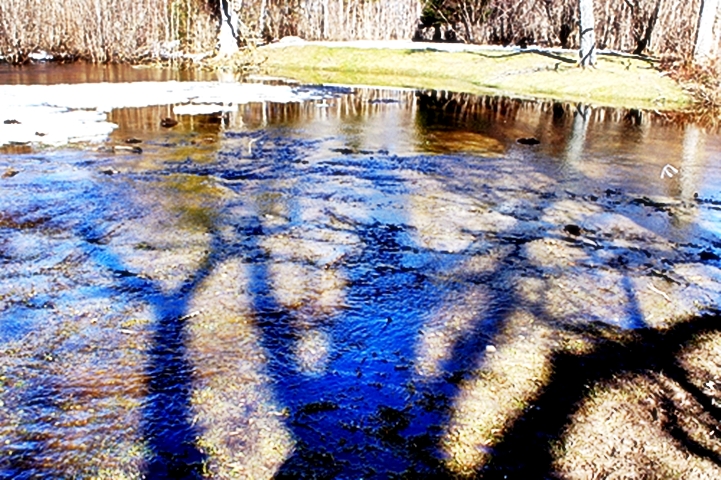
(330, 19)
(660, 27)
(104, 30)
(134, 30)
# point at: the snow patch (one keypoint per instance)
(67, 113)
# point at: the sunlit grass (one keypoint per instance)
(242, 429)
(618, 82)
(510, 375)
(633, 427)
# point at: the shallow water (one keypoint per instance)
(326, 289)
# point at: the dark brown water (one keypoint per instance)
(368, 286)
(53, 74)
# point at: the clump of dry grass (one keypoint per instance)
(244, 61)
(703, 82)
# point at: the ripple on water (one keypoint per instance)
(338, 292)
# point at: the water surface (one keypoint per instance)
(365, 286)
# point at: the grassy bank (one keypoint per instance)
(616, 82)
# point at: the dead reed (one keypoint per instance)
(133, 30)
(337, 19)
(103, 30)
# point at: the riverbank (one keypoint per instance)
(618, 81)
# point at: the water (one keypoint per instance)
(366, 286)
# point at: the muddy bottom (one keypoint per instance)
(379, 285)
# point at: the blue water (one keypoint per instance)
(356, 229)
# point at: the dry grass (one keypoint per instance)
(336, 20)
(659, 422)
(129, 31)
(703, 84)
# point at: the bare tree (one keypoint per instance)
(228, 35)
(471, 14)
(588, 35)
(644, 26)
(705, 37)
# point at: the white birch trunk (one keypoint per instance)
(228, 36)
(588, 35)
(326, 20)
(705, 38)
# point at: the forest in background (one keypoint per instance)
(658, 27)
(141, 30)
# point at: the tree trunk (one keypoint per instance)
(261, 20)
(228, 36)
(588, 36)
(644, 42)
(326, 20)
(467, 23)
(705, 38)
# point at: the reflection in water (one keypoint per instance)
(578, 134)
(383, 283)
(79, 72)
(691, 161)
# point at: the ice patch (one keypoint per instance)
(66, 113)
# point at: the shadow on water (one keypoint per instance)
(346, 420)
(167, 426)
(374, 432)
(358, 418)
(366, 414)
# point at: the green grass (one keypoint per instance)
(616, 81)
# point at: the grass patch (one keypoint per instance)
(616, 82)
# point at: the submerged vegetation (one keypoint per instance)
(377, 284)
(365, 283)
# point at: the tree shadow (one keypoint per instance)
(527, 448)
(167, 426)
(351, 420)
(534, 51)
(401, 437)
(530, 442)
